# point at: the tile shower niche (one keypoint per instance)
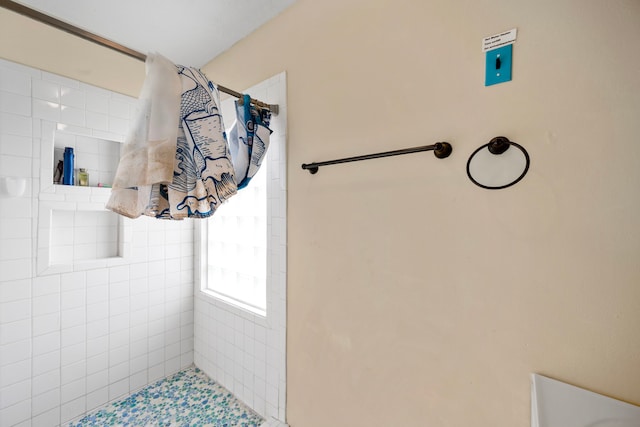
(99, 157)
(75, 231)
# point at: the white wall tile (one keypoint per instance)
(15, 269)
(46, 90)
(155, 358)
(138, 354)
(15, 414)
(46, 401)
(119, 389)
(46, 343)
(46, 304)
(97, 363)
(186, 359)
(46, 324)
(13, 124)
(231, 345)
(97, 103)
(118, 356)
(97, 121)
(73, 409)
(74, 316)
(156, 372)
(14, 393)
(72, 97)
(15, 290)
(14, 103)
(74, 335)
(15, 166)
(81, 327)
(73, 372)
(14, 145)
(98, 294)
(97, 331)
(47, 419)
(19, 208)
(172, 350)
(139, 303)
(138, 380)
(98, 380)
(97, 277)
(14, 331)
(72, 116)
(15, 82)
(118, 274)
(172, 365)
(119, 108)
(119, 338)
(98, 311)
(72, 390)
(97, 398)
(119, 290)
(15, 372)
(46, 285)
(45, 382)
(46, 362)
(14, 311)
(119, 372)
(46, 110)
(73, 353)
(73, 299)
(63, 81)
(73, 281)
(15, 352)
(21, 69)
(118, 125)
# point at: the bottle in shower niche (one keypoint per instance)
(83, 177)
(57, 175)
(67, 174)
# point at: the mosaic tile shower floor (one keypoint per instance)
(186, 399)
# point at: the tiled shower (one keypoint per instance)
(78, 336)
(79, 328)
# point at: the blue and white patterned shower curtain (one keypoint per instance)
(248, 140)
(203, 177)
(199, 175)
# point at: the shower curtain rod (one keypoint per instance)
(79, 32)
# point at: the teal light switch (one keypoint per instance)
(498, 66)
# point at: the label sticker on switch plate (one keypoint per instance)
(498, 40)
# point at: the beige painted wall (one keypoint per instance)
(28, 42)
(416, 298)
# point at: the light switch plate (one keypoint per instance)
(498, 65)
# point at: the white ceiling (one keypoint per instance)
(188, 32)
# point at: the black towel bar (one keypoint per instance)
(440, 150)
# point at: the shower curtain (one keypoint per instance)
(175, 161)
(248, 140)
